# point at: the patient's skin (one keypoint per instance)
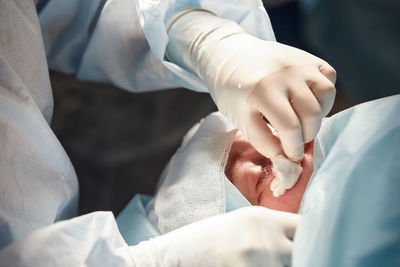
(245, 170)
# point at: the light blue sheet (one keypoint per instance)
(351, 214)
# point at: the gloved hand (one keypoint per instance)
(250, 236)
(249, 78)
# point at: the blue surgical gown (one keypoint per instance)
(117, 41)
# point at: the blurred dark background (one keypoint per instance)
(119, 142)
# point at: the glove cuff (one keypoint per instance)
(194, 39)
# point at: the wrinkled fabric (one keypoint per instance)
(38, 184)
(90, 240)
(350, 208)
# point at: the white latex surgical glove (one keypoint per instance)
(250, 78)
(250, 236)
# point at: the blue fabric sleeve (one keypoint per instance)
(123, 41)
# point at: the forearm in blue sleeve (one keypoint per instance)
(123, 41)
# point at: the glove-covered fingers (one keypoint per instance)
(307, 109)
(322, 84)
(285, 252)
(328, 71)
(275, 106)
(260, 136)
(288, 221)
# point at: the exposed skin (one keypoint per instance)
(252, 175)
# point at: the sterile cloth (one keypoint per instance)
(351, 215)
(192, 187)
(350, 207)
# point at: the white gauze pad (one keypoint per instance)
(287, 173)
